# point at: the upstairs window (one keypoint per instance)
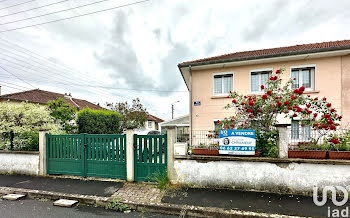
(257, 79)
(303, 77)
(223, 84)
(149, 124)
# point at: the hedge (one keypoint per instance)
(99, 122)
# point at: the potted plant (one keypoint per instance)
(340, 147)
(204, 149)
(309, 150)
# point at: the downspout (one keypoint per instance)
(190, 71)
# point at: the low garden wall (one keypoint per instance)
(297, 176)
(19, 162)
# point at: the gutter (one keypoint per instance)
(191, 115)
(283, 54)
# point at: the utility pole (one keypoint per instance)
(172, 109)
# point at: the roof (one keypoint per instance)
(272, 52)
(42, 97)
(154, 118)
(180, 121)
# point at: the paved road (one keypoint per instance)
(72, 186)
(36, 209)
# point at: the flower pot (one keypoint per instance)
(205, 151)
(307, 154)
(257, 153)
(339, 155)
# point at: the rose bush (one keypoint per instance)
(259, 112)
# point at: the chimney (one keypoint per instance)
(68, 96)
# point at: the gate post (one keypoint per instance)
(283, 140)
(130, 155)
(42, 152)
(170, 166)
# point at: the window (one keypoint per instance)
(223, 84)
(304, 77)
(257, 79)
(300, 133)
(149, 124)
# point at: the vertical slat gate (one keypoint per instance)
(150, 156)
(87, 155)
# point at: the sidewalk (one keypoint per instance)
(177, 201)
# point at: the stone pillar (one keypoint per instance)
(130, 155)
(171, 159)
(42, 152)
(283, 141)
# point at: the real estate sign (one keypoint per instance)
(237, 142)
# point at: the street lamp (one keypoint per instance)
(172, 109)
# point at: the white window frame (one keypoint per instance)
(148, 123)
(250, 79)
(313, 75)
(300, 132)
(222, 74)
(214, 120)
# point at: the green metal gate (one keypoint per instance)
(150, 156)
(87, 155)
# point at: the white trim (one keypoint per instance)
(219, 74)
(250, 79)
(313, 74)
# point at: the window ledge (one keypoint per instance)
(260, 159)
(219, 96)
(311, 91)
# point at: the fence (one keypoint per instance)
(203, 138)
(19, 141)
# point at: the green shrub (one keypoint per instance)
(267, 143)
(99, 122)
(162, 179)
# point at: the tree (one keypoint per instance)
(99, 122)
(63, 113)
(260, 112)
(134, 115)
(25, 120)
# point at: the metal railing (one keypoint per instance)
(203, 138)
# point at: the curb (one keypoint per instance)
(163, 208)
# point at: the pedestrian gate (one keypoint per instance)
(87, 155)
(150, 156)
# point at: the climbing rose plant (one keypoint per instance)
(259, 112)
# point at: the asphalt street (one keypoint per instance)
(29, 208)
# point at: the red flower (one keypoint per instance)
(340, 117)
(286, 103)
(324, 99)
(259, 110)
(315, 114)
(315, 99)
(333, 128)
(245, 96)
(290, 108)
(249, 110)
(251, 103)
(268, 92)
(279, 104)
(302, 88)
(316, 124)
(294, 115)
(335, 141)
(329, 105)
(294, 78)
(296, 91)
(264, 97)
(330, 122)
(299, 109)
(218, 121)
(250, 116)
(278, 71)
(332, 110)
(262, 86)
(293, 97)
(242, 103)
(308, 106)
(327, 116)
(234, 101)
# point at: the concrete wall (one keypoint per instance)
(328, 83)
(263, 176)
(19, 162)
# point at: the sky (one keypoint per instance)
(133, 50)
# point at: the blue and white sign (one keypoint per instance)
(237, 142)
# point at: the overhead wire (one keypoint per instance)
(11, 6)
(4, 69)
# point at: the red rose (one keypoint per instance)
(242, 103)
(264, 97)
(332, 110)
(279, 104)
(245, 96)
(299, 109)
(251, 103)
(324, 99)
(234, 101)
(286, 103)
(315, 99)
(293, 97)
(268, 92)
(296, 91)
(249, 110)
(327, 116)
(315, 114)
(294, 115)
(294, 78)
(259, 110)
(316, 124)
(262, 86)
(302, 88)
(278, 71)
(333, 128)
(329, 105)
(290, 108)
(308, 106)
(218, 121)
(250, 116)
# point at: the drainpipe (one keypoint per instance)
(188, 146)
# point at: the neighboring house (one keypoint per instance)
(323, 68)
(181, 125)
(152, 123)
(42, 97)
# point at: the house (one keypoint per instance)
(323, 68)
(42, 97)
(181, 125)
(151, 124)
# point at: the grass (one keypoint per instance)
(162, 179)
(117, 206)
